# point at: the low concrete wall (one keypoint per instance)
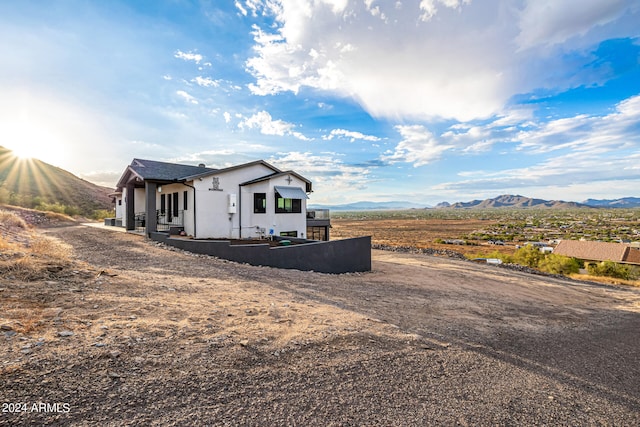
(337, 256)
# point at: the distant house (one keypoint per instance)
(250, 200)
(598, 251)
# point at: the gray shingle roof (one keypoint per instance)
(162, 171)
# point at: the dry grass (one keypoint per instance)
(606, 280)
(9, 219)
(27, 256)
(418, 233)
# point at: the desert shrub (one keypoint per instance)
(506, 258)
(101, 214)
(559, 264)
(52, 249)
(611, 269)
(58, 208)
(529, 256)
(10, 219)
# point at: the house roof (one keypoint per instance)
(598, 251)
(202, 173)
(279, 174)
(153, 170)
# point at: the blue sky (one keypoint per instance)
(423, 100)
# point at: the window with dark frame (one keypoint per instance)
(176, 208)
(169, 211)
(288, 234)
(287, 205)
(259, 202)
(185, 200)
(163, 204)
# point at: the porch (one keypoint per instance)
(165, 221)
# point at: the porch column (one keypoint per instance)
(131, 209)
(150, 189)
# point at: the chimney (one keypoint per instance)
(202, 165)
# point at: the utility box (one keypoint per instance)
(232, 204)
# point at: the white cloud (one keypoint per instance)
(429, 8)
(548, 22)
(465, 62)
(227, 117)
(576, 152)
(267, 126)
(188, 56)
(188, 98)
(613, 132)
(351, 135)
(242, 10)
(206, 81)
(329, 174)
(418, 146)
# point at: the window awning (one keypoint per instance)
(291, 192)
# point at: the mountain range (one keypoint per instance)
(625, 202)
(33, 183)
(503, 201)
(511, 201)
(517, 201)
(29, 182)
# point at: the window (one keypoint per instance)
(317, 233)
(185, 200)
(169, 208)
(289, 233)
(259, 202)
(163, 204)
(287, 205)
(175, 204)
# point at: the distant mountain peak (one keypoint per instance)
(624, 202)
(512, 201)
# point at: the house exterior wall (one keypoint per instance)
(213, 193)
(214, 219)
(270, 220)
(125, 200)
(167, 190)
(119, 207)
(139, 200)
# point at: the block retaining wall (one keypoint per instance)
(336, 256)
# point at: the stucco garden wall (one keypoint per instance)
(337, 256)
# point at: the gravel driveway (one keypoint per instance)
(154, 336)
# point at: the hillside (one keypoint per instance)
(511, 201)
(36, 184)
(625, 202)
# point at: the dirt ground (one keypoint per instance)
(419, 233)
(139, 334)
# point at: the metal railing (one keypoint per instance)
(318, 214)
(140, 220)
(166, 220)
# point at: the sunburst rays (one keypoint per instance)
(26, 181)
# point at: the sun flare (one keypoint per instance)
(31, 142)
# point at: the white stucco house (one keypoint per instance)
(250, 200)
